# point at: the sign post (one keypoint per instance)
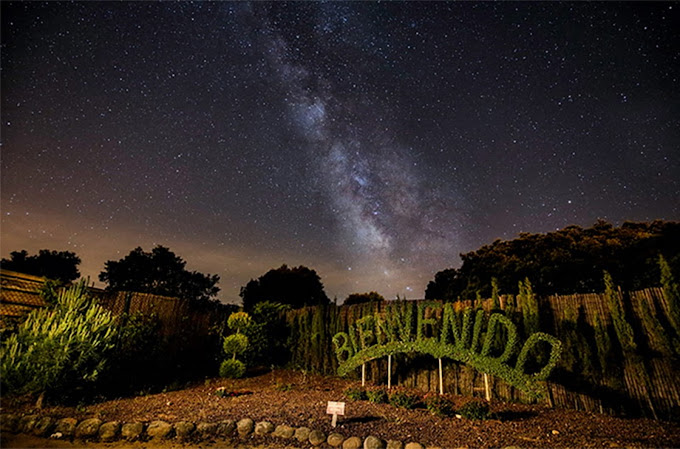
(335, 409)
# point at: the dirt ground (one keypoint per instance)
(295, 399)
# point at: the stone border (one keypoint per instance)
(94, 429)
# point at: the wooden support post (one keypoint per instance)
(441, 378)
(487, 391)
(389, 372)
(363, 375)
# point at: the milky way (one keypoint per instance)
(372, 142)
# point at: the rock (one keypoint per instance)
(302, 434)
(132, 431)
(206, 429)
(284, 431)
(335, 439)
(372, 442)
(352, 443)
(317, 437)
(414, 446)
(43, 427)
(159, 430)
(26, 423)
(109, 431)
(555, 432)
(66, 427)
(9, 423)
(395, 444)
(88, 428)
(264, 428)
(183, 429)
(245, 426)
(226, 428)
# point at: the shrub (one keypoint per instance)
(475, 409)
(355, 394)
(59, 350)
(235, 344)
(377, 395)
(404, 399)
(232, 369)
(439, 405)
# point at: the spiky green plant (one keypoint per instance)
(61, 349)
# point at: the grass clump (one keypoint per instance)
(377, 395)
(355, 394)
(439, 405)
(404, 399)
(475, 409)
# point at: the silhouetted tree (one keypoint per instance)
(57, 265)
(296, 287)
(567, 261)
(160, 272)
(361, 298)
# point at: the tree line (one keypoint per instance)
(570, 260)
(567, 261)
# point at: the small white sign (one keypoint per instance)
(335, 408)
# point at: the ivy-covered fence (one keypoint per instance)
(621, 350)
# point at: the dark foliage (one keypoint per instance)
(296, 287)
(160, 272)
(362, 298)
(567, 261)
(57, 265)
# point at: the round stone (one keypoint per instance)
(302, 434)
(245, 426)
(9, 423)
(109, 431)
(352, 443)
(26, 423)
(395, 444)
(132, 431)
(226, 428)
(335, 439)
(66, 427)
(206, 429)
(264, 428)
(317, 437)
(43, 427)
(159, 429)
(183, 429)
(284, 431)
(372, 442)
(88, 428)
(414, 446)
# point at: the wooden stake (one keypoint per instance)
(487, 392)
(389, 372)
(441, 378)
(363, 375)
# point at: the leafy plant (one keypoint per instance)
(355, 394)
(234, 345)
(475, 409)
(232, 368)
(59, 350)
(404, 399)
(377, 395)
(439, 405)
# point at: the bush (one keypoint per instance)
(61, 350)
(439, 405)
(377, 395)
(475, 409)
(404, 399)
(235, 344)
(355, 394)
(232, 369)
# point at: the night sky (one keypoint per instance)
(371, 142)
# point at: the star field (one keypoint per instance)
(372, 142)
